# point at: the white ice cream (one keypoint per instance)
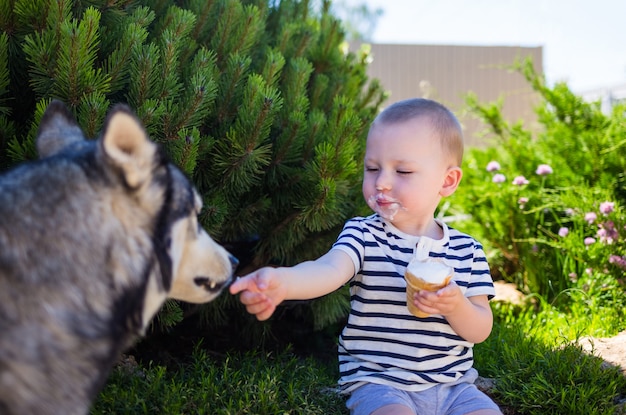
(433, 272)
(387, 211)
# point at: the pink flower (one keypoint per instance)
(618, 260)
(543, 170)
(522, 201)
(493, 166)
(607, 207)
(570, 212)
(590, 217)
(498, 178)
(607, 232)
(520, 181)
(563, 232)
(601, 234)
(589, 240)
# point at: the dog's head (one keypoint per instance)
(199, 263)
(154, 199)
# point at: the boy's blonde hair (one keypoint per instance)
(443, 121)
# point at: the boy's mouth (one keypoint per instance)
(385, 206)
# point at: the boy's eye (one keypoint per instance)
(404, 172)
(371, 168)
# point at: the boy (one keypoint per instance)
(390, 361)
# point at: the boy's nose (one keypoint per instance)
(383, 182)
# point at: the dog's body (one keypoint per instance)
(94, 237)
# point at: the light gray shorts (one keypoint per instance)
(455, 398)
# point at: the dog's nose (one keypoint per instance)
(234, 262)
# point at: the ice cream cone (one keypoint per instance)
(425, 275)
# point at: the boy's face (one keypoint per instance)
(405, 171)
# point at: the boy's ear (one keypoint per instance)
(451, 181)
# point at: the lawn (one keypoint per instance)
(532, 356)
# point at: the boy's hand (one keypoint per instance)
(469, 317)
(444, 301)
(261, 291)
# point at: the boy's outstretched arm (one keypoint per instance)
(264, 289)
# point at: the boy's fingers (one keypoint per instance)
(267, 313)
(256, 282)
(258, 308)
(248, 297)
(449, 290)
(247, 283)
(237, 286)
(257, 304)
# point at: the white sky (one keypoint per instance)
(584, 42)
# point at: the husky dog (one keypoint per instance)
(94, 237)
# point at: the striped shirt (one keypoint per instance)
(382, 342)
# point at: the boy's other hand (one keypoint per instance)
(444, 301)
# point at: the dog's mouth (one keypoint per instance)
(211, 286)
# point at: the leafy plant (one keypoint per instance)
(548, 203)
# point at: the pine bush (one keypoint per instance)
(258, 101)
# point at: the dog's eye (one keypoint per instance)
(168, 242)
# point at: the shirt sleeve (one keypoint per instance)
(351, 241)
(480, 282)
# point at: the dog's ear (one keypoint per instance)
(127, 146)
(57, 130)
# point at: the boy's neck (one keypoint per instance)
(430, 229)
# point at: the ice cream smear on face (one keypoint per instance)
(385, 206)
(432, 272)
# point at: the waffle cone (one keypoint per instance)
(415, 284)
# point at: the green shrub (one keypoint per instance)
(258, 101)
(549, 204)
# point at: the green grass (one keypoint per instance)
(532, 354)
(245, 383)
(545, 371)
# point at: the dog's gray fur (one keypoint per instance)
(94, 237)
